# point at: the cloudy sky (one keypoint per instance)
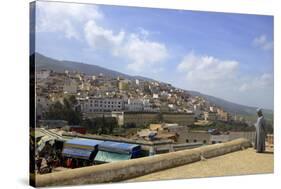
(225, 55)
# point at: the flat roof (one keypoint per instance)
(119, 147)
(243, 162)
(84, 142)
(119, 139)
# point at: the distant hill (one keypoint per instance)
(60, 66)
(234, 108)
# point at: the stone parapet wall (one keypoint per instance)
(123, 170)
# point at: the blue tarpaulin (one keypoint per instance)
(119, 147)
(76, 153)
(80, 148)
(83, 142)
(106, 157)
(116, 151)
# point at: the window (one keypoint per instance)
(204, 141)
(187, 141)
(213, 142)
(194, 140)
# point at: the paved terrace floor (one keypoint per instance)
(236, 163)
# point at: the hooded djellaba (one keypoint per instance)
(260, 132)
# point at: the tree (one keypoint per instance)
(90, 126)
(65, 111)
(100, 125)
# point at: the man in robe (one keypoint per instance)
(260, 132)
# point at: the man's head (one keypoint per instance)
(259, 112)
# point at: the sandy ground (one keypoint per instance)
(236, 163)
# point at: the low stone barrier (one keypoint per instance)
(123, 170)
(270, 140)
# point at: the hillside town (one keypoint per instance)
(75, 111)
(99, 95)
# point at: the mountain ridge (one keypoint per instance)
(44, 62)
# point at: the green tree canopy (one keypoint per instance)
(65, 111)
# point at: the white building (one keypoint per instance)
(101, 105)
(85, 86)
(210, 116)
(70, 86)
(197, 110)
(213, 109)
(155, 96)
(134, 105)
(147, 106)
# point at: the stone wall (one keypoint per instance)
(118, 171)
(140, 118)
(198, 136)
(250, 135)
(184, 119)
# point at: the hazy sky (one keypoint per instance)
(225, 55)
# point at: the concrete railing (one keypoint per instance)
(124, 170)
(270, 139)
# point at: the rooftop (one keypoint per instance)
(237, 163)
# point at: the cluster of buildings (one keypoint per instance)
(217, 114)
(157, 113)
(183, 135)
(130, 101)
